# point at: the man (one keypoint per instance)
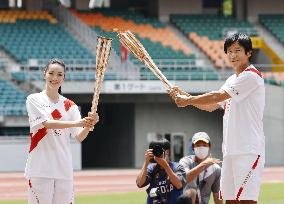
(202, 171)
(166, 178)
(243, 99)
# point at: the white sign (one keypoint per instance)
(134, 87)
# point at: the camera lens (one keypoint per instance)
(158, 150)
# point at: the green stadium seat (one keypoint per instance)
(212, 26)
(12, 99)
(275, 24)
(39, 39)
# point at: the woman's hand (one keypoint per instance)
(90, 121)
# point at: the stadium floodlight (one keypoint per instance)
(95, 3)
(65, 3)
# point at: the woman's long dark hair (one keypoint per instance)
(55, 61)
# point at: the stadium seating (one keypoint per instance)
(160, 42)
(208, 31)
(212, 26)
(37, 35)
(275, 24)
(12, 16)
(12, 99)
(157, 37)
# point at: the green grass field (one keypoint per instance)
(270, 194)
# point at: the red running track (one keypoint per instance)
(14, 185)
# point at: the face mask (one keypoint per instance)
(201, 152)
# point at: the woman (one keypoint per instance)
(53, 119)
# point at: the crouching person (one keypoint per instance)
(166, 178)
(202, 173)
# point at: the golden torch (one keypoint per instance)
(103, 51)
(136, 48)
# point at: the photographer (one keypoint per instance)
(202, 172)
(166, 178)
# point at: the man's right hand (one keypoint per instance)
(173, 92)
(148, 155)
(179, 96)
(210, 161)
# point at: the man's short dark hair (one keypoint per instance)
(243, 39)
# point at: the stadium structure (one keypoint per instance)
(185, 39)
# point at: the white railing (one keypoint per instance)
(232, 30)
(39, 64)
(144, 74)
(184, 63)
(174, 69)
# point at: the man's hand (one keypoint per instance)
(180, 91)
(182, 100)
(162, 162)
(174, 179)
(179, 96)
(210, 161)
(148, 156)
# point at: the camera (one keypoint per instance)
(157, 196)
(159, 147)
(158, 150)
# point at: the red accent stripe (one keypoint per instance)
(33, 192)
(37, 137)
(256, 162)
(253, 167)
(220, 195)
(255, 71)
(67, 104)
(239, 193)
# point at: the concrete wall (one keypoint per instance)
(82, 4)
(13, 154)
(273, 126)
(167, 7)
(167, 118)
(240, 9)
(256, 7)
(33, 4)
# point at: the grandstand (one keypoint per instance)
(186, 42)
(175, 59)
(274, 23)
(37, 35)
(208, 32)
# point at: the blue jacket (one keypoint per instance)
(157, 177)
